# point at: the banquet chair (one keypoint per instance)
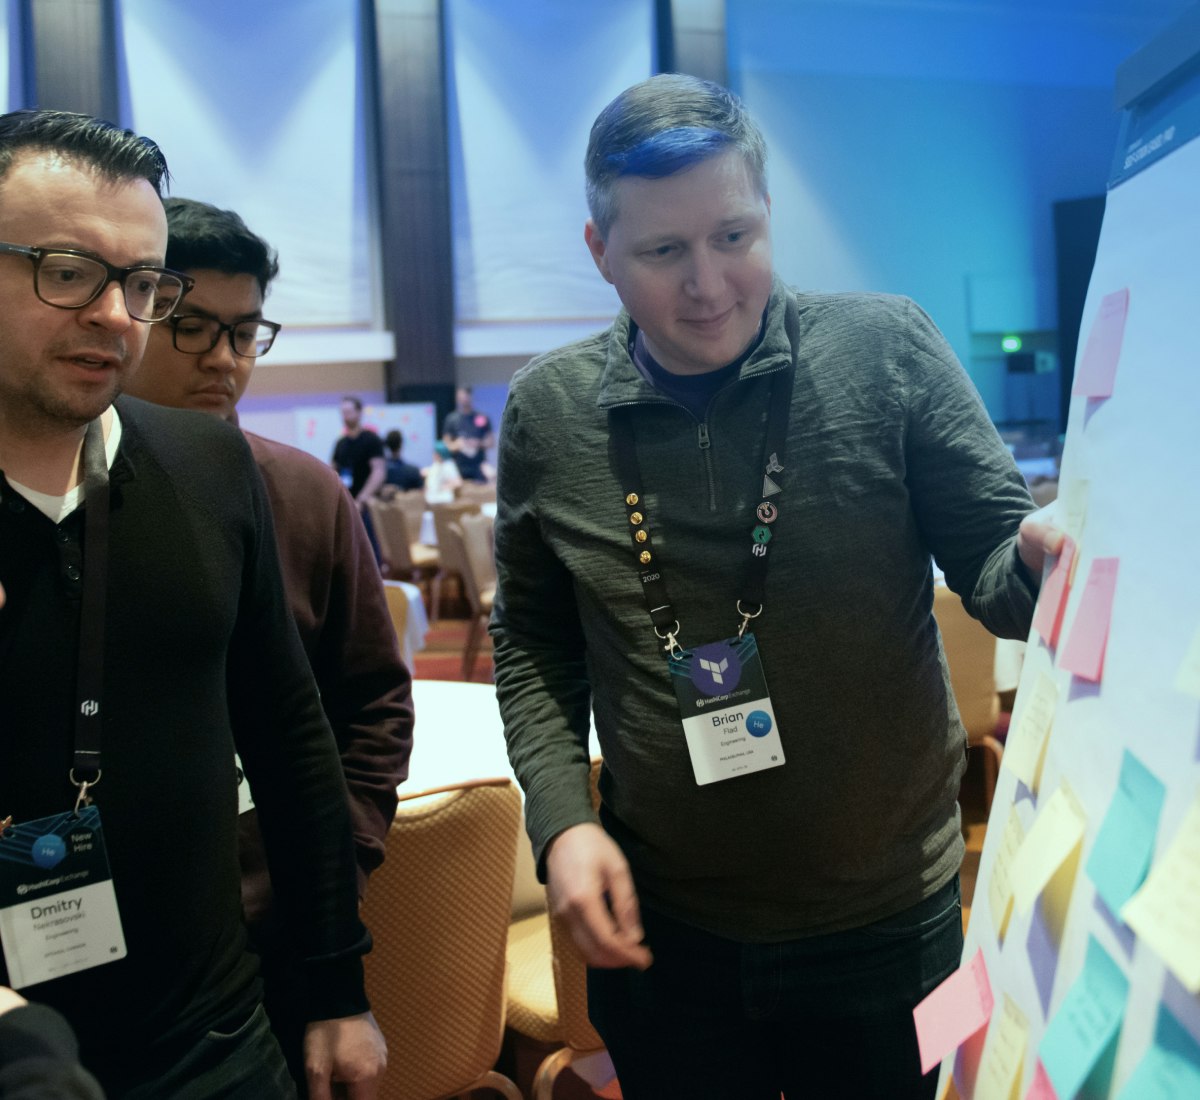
(547, 989)
(471, 537)
(449, 557)
(406, 557)
(477, 491)
(397, 602)
(413, 504)
(438, 910)
(971, 654)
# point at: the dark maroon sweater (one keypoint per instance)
(336, 598)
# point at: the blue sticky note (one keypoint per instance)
(1087, 1023)
(1121, 856)
(1171, 1066)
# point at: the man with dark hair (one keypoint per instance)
(202, 359)
(715, 528)
(358, 455)
(145, 638)
(401, 474)
(468, 434)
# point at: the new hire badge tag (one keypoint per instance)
(728, 720)
(58, 909)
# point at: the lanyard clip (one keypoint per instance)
(670, 641)
(747, 616)
(84, 785)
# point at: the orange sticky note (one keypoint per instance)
(1098, 367)
(1084, 652)
(1052, 601)
(1040, 1087)
(953, 1012)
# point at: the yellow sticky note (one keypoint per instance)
(1187, 679)
(1072, 507)
(1056, 834)
(1003, 1054)
(1165, 912)
(1000, 882)
(1026, 747)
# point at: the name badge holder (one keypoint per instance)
(58, 908)
(728, 720)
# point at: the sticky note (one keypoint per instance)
(1165, 912)
(1097, 369)
(1040, 1087)
(1072, 507)
(1003, 1053)
(1026, 747)
(1187, 679)
(1086, 1023)
(953, 1012)
(1052, 600)
(1056, 832)
(1083, 653)
(1170, 1067)
(1125, 844)
(1000, 879)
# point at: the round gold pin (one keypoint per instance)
(644, 557)
(641, 536)
(635, 518)
(632, 499)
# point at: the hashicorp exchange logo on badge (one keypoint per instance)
(716, 669)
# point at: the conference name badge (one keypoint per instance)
(58, 908)
(728, 720)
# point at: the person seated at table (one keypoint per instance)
(202, 359)
(442, 478)
(401, 474)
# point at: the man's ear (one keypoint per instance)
(596, 246)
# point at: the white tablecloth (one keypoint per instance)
(416, 625)
(459, 737)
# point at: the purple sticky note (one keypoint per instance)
(1098, 367)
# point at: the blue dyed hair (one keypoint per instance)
(662, 126)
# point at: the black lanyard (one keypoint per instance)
(766, 513)
(85, 770)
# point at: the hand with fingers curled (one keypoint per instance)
(589, 886)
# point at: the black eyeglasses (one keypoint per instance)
(197, 335)
(69, 279)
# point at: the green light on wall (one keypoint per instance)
(1010, 344)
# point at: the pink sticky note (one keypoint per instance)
(1052, 602)
(953, 1012)
(1040, 1087)
(1098, 367)
(1084, 652)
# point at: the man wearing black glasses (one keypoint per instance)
(145, 637)
(202, 359)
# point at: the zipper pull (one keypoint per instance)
(703, 433)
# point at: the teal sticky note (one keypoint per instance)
(1087, 1023)
(1124, 847)
(1171, 1066)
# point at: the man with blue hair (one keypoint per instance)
(716, 527)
